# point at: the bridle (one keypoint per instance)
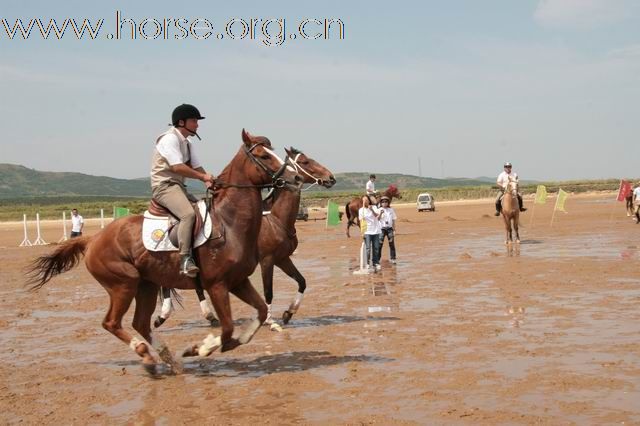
(299, 168)
(276, 180)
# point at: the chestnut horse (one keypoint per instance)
(117, 258)
(511, 211)
(277, 239)
(352, 207)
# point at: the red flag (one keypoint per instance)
(625, 190)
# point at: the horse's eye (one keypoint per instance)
(265, 157)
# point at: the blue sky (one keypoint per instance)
(551, 85)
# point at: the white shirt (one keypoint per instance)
(76, 223)
(371, 218)
(370, 187)
(388, 217)
(503, 178)
(636, 195)
(169, 147)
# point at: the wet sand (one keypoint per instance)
(461, 331)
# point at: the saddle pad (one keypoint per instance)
(155, 235)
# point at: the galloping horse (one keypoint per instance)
(511, 210)
(352, 207)
(117, 258)
(277, 239)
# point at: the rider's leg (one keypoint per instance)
(522, 209)
(175, 198)
(498, 203)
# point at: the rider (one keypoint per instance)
(503, 181)
(174, 160)
(370, 189)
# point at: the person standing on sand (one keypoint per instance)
(370, 215)
(77, 224)
(388, 224)
(636, 202)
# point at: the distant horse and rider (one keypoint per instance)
(119, 261)
(510, 210)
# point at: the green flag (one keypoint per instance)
(541, 195)
(120, 212)
(562, 197)
(333, 215)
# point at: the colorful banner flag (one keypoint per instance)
(333, 214)
(562, 198)
(541, 195)
(625, 190)
(120, 212)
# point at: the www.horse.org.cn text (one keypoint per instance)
(269, 31)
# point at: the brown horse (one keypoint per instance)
(116, 257)
(352, 207)
(277, 239)
(511, 211)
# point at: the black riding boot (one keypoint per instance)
(188, 266)
(522, 209)
(498, 208)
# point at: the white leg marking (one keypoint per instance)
(209, 344)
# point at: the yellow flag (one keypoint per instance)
(363, 226)
(562, 197)
(541, 195)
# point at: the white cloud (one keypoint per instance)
(582, 14)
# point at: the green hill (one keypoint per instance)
(21, 182)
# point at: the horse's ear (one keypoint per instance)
(246, 137)
(288, 151)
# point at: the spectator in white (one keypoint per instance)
(388, 224)
(370, 189)
(503, 181)
(636, 202)
(77, 224)
(370, 215)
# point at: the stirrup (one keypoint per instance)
(188, 267)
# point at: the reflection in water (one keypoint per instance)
(513, 250)
(516, 315)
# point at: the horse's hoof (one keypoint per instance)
(158, 322)
(231, 344)
(286, 316)
(191, 351)
(151, 369)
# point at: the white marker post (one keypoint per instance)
(39, 241)
(101, 218)
(25, 242)
(64, 227)
(363, 270)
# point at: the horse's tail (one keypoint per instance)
(347, 212)
(64, 257)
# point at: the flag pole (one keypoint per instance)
(326, 222)
(555, 208)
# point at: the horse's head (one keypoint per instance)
(310, 169)
(392, 192)
(269, 168)
(512, 186)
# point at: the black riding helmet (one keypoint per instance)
(184, 112)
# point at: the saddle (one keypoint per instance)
(160, 233)
(157, 209)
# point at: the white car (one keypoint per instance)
(426, 202)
